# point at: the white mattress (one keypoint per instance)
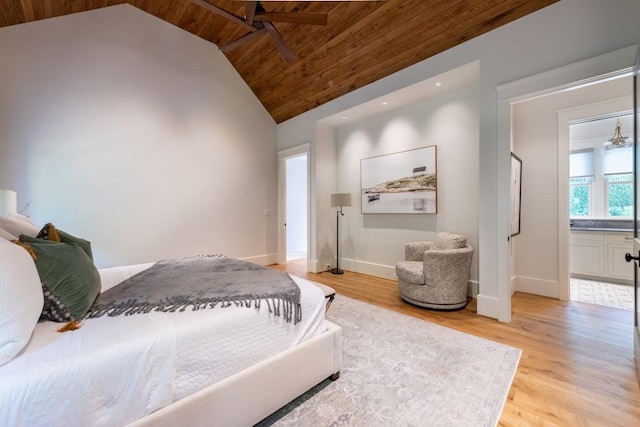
(114, 370)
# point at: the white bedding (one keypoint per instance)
(114, 370)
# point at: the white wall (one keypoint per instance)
(561, 34)
(373, 243)
(130, 132)
(535, 141)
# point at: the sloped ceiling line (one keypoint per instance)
(361, 43)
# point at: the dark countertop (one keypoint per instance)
(617, 230)
(601, 225)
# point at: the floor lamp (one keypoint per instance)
(339, 200)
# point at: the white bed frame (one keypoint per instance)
(247, 397)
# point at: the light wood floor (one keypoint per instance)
(576, 367)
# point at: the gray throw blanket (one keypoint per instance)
(200, 283)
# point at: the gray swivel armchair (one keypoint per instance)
(435, 274)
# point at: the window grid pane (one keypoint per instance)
(620, 199)
(579, 200)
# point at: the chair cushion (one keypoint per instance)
(415, 251)
(410, 271)
(446, 240)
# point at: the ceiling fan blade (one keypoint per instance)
(215, 9)
(285, 50)
(250, 11)
(242, 40)
(293, 17)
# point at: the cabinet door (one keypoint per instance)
(587, 257)
(617, 247)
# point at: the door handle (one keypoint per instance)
(628, 257)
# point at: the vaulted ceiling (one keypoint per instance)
(362, 41)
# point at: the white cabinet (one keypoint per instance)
(618, 244)
(600, 255)
(588, 253)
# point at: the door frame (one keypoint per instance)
(572, 76)
(636, 212)
(283, 155)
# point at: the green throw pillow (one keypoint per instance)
(70, 281)
(51, 233)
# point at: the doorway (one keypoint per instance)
(294, 198)
(541, 251)
(296, 213)
(601, 205)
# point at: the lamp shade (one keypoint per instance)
(340, 200)
(8, 202)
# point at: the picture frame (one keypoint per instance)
(516, 195)
(402, 182)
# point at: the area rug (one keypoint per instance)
(402, 371)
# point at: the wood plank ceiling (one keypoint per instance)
(362, 42)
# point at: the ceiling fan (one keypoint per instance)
(258, 22)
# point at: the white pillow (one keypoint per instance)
(21, 299)
(21, 218)
(4, 234)
(17, 224)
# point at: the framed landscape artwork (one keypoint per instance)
(404, 182)
(516, 194)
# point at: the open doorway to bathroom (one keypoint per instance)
(601, 209)
(296, 189)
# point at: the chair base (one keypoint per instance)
(432, 306)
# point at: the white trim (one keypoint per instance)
(532, 285)
(610, 65)
(369, 268)
(489, 305)
(283, 155)
(266, 259)
(389, 272)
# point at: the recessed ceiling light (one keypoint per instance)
(438, 84)
(384, 103)
(344, 117)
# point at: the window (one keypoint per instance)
(581, 167)
(580, 197)
(620, 195)
(601, 173)
(618, 171)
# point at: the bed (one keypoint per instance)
(224, 366)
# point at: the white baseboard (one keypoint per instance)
(266, 259)
(473, 288)
(369, 268)
(488, 306)
(532, 285)
(389, 272)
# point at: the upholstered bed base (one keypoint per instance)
(249, 396)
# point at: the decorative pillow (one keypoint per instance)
(50, 232)
(20, 301)
(6, 235)
(17, 225)
(70, 281)
(446, 240)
